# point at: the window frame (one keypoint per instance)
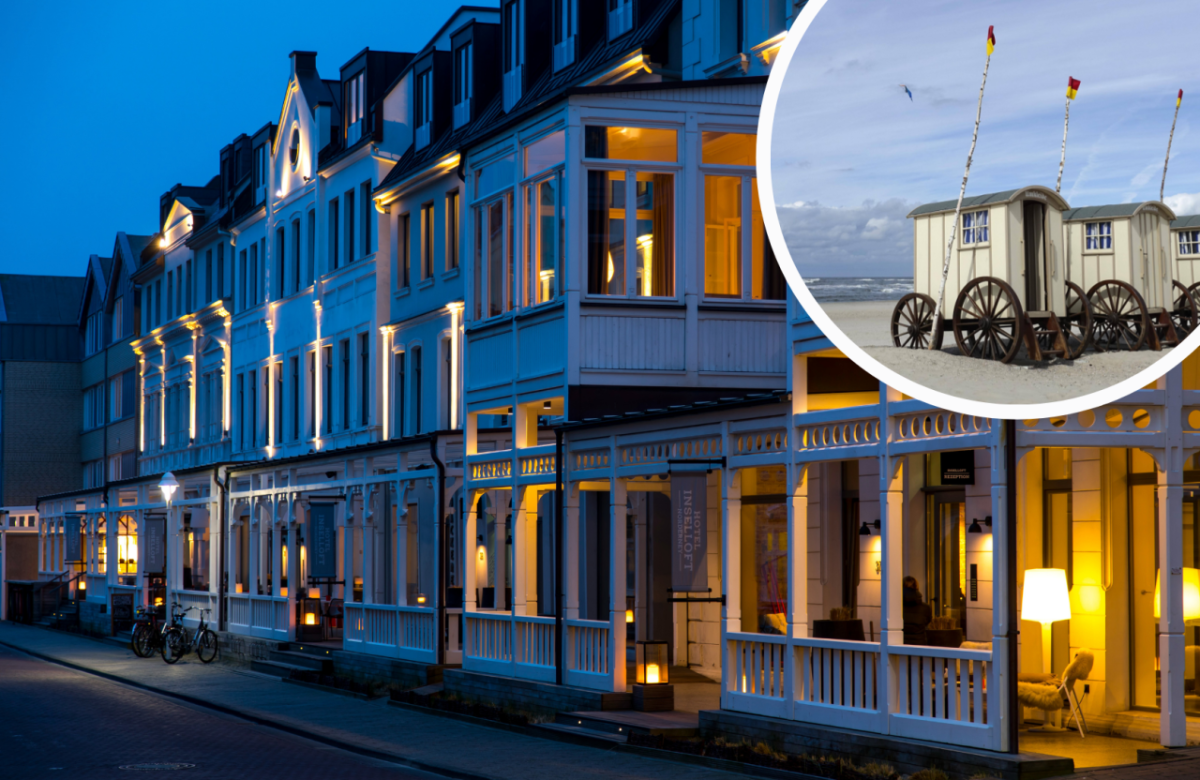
(971, 232)
(530, 281)
(453, 203)
(1190, 239)
(504, 197)
(1100, 237)
(428, 246)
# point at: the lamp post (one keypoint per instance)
(168, 485)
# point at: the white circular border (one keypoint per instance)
(766, 193)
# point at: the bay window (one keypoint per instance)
(738, 263)
(631, 211)
(494, 275)
(545, 208)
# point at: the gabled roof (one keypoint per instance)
(41, 300)
(991, 199)
(550, 87)
(1115, 210)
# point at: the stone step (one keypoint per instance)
(277, 668)
(669, 724)
(313, 663)
(321, 651)
(580, 735)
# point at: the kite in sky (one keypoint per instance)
(907, 91)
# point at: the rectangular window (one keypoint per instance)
(252, 381)
(495, 176)
(355, 98)
(294, 365)
(493, 233)
(312, 394)
(719, 148)
(564, 20)
(208, 276)
(1098, 236)
(424, 99)
(654, 231)
(452, 230)
(723, 236)
(310, 272)
(170, 295)
(348, 199)
(190, 298)
(606, 232)
(631, 143)
(975, 227)
(333, 235)
(327, 390)
(93, 407)
(344, 347)
(296, 256)
(242, 272)
(364, 379)
(427, 243)
(399, 389)
(403, 251)
(367, 208)
(221, 270)
(280, 265)
(462, 74)
(416, 391)
(512, 36)
(545, 153)
(252, 290)
(278, 369)
(117, 319)
(544, 242)
(1189, 242)
(447, 380)
(240, 383)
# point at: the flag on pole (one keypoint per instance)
(991, 42)
(1179, 99)
(1072, 88)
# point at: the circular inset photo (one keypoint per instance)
(991, 206)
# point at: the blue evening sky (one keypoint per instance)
(858, 154)
(107, 105)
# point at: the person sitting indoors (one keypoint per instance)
(917, 614)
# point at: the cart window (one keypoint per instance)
(1099, 235)
(975, 227)
(1189, 242)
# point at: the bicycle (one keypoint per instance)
(178, 641)
(147, 635)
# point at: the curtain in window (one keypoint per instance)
(663, 272)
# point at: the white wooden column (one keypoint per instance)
(401, 547)
(798, 554)
(277, 525)
(252, 555)
(731, 573)
(140, 577)
(1002, 548)
(891, 612)
(368, 551)
(347, 511)
(1173, 722)
(616, 582)
(470, 550)
(522, 496)
(571, 552)
(498, 557)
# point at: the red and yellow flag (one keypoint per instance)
(991, 42)
(1179, 99)
(1072, 88)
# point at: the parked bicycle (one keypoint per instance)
(148, 631)
(178, 641)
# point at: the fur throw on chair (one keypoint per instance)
(1038, 696)
(1080, 668)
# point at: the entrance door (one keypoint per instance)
(1034, 217)
(946, 555)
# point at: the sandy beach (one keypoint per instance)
(1022, 381)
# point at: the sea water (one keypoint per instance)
(830, 289)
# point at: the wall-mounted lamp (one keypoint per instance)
(865, 530)
(976, 528)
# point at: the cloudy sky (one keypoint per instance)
(857, 154)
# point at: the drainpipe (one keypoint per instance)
(440, 519)
(1010, 565)
(223, 490)
(558, 556)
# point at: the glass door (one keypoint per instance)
(946, 556)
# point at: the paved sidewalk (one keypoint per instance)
(423, 741)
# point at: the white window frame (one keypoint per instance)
(1189, 243)
(974, 233)
(1101, 240)
(527, 279)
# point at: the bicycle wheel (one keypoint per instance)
(173, 645)
(140, 642)
(207, 646)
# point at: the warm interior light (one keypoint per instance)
(158, 601)
(420, 598)
(283, 591)
(629, 616)
(237, 588)
(611, 268)
(1191, 594)
(652, 674)
(310, 619)
(314, 593)
(1045, 599)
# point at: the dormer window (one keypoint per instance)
(424, 108)
(260, 165)
(513, 60)
(355, 106)
(565, 28)
(294, 148)
(463, 84)
(620, 18)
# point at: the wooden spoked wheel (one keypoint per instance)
(1078, 322)
(912, 323)
(1120, 317)
(1183, 314)
(988, 320)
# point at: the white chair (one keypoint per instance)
(1078, 669)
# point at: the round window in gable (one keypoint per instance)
(294, 151)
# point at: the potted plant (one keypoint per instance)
(944, 631)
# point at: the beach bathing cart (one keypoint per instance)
(1014, 283)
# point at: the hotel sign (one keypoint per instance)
(322, 541)
(958, 467)
(156, 545)
(689, 537)
(72, 529)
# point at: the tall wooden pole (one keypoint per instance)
(1163, 187)
(1062, 161)
(937, 312)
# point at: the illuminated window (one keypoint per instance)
(717, 148)
(631, 143)
(294, 148)
(544, 243)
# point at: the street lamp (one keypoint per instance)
(168, 485)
